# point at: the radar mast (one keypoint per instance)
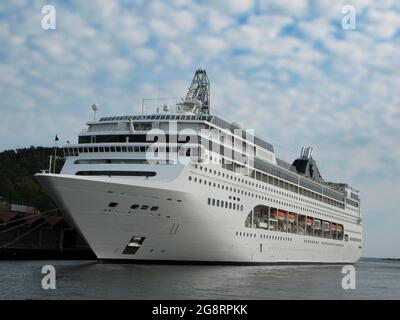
(198, 96)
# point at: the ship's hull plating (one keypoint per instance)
(182, 230)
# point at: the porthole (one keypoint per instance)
(134, 206)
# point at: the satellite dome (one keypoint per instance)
(237, 125)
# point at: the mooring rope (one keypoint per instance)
(21, 225)
(33, 215)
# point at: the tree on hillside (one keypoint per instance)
(17, 168)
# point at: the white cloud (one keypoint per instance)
(218, 21)
(210, 45)
(236, 6)
(382, 24)
(175, 55)
(317, 28)
(287, 7)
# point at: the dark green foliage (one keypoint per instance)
(17, 168)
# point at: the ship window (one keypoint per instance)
(213, 202)
(145, 207)
(209, 201)
(217, 203)
(134, 206)
(154, 208)
(118, 149)
(113, 204)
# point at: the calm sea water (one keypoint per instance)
(375, 279)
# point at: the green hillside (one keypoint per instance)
(17, 168)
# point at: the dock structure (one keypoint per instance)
(27, 233)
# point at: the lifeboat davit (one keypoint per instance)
(317, 224)
(291, 217)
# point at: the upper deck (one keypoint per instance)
(128, 131)
(113, 124)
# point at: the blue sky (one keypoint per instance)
(285, 68)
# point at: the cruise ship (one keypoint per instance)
(181, 185)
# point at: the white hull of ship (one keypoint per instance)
(183, 229)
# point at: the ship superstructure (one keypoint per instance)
(187, 186)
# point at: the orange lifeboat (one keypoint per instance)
(333, 227)
(291, 217)
(274, 214)
(281, 215)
